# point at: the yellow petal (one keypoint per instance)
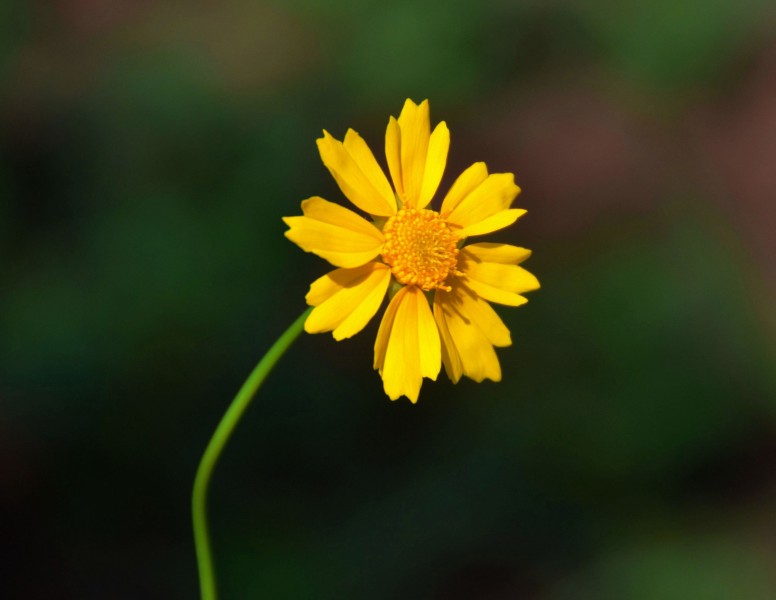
(325, 287)
(366, 190)
(494, 195)
(481, 314)
(436, 159)
(427, 336)
(415, 128)
(334, 233)
(363, 157)
(346, 299)
(495, 294)
(393, 154)
(450, 357)
(407, 346)
(463, 186)
(498, 253)
(384, 333)
(500, 220)
(478, 358)
(491, 271)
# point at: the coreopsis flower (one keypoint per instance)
(439, 285)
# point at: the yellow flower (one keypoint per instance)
(415, 255)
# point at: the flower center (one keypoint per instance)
(420, 248)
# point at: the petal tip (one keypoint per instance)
(338, 335)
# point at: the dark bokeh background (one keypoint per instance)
(147, 152)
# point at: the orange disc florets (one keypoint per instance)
(420, 248)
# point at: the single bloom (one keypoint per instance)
(439, 286)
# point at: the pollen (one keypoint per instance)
(420, 248)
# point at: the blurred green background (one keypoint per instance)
(147, 153)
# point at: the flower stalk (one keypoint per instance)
(215, 447)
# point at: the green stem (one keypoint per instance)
(216, 445)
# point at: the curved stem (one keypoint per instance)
(216, 445)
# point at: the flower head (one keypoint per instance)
(439, 286)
